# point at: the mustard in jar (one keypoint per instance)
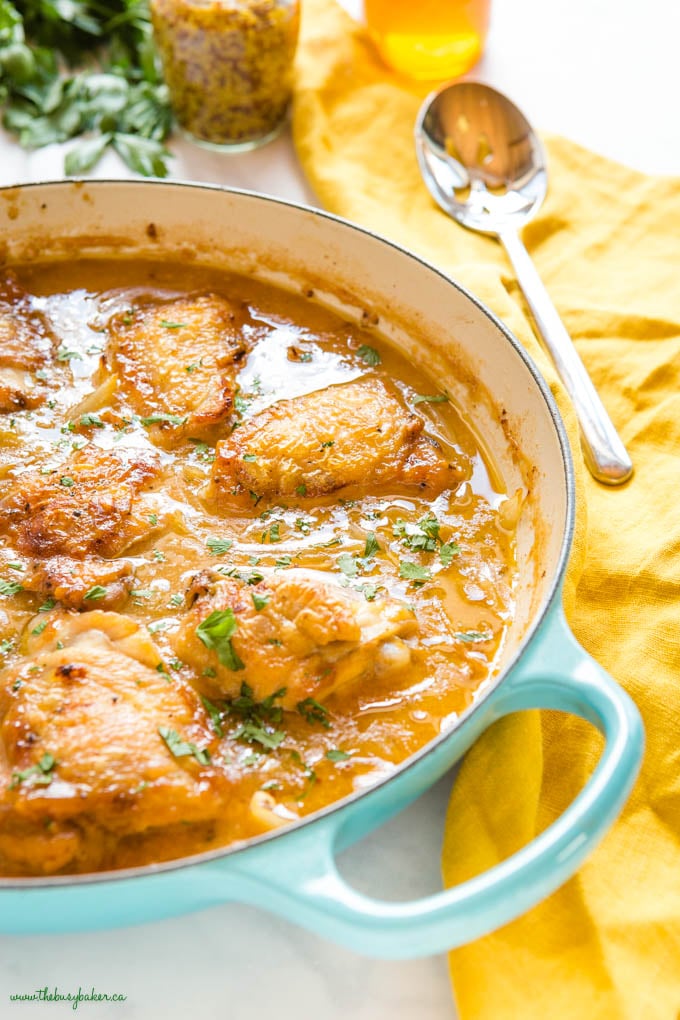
(228, 65)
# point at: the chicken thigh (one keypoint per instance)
(295, 630)
(71, 521)
(25, 347)
(177, 362)
(96, 744)
(344, 435)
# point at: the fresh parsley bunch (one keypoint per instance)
(74, 67)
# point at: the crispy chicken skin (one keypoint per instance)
(94, 707)
(348, 434)
(25, 346)
(71, 521)
(179, 358)
(310, 636)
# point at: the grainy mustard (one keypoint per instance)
(228, 65)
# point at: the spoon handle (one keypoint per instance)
(604, 453)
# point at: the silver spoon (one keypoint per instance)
(486, 168)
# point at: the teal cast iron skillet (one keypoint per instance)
(292, 871)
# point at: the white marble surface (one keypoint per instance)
(604, 72)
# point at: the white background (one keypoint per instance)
(605, 73)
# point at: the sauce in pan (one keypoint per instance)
(251, 559)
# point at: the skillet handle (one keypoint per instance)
(299, 878)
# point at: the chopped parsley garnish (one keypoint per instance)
(327, 445)
(156, 625)
(163, 419)
(182, 748)
(153, 520)
(301, 490)
(39, 627)
(216, 633)
(219, 546)
(95, 593)
(176, 600)
(421, 536)
(273, 533)
(414, 572)
(259, 718)
(143, 593)
(369, 355)
(159, 556)
(249, 458)
(254, 733)
(10, 588)
(192, 368)
(215, 716)
(335, 754)
(313, 712)
(6, 646)
(172, 325)
(438, 398)
(473, 636)
(36, 775)
(203, 451)
(91, 419)
(372, 546)
(447, 552)
(66, 481)
(260, 601)
(64, 355)
(347, 564)
(47, 605)
(283, 561)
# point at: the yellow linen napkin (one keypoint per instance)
(607, 244)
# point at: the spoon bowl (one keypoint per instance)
(486, 168)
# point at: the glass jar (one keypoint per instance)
(228, 65)
(429, 39)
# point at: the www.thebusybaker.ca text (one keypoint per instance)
(54, 995)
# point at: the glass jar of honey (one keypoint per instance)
(228, 65)
(429, 40)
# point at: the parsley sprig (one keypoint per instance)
(71, 68)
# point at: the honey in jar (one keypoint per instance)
(429, 39)
(228, 65)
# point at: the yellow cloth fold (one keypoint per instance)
(607, 244)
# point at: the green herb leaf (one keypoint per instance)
(369, 355)
(84, 156)
(447, 552)
(10, 588)
(163, 419)
(439, 398)
(47, 605)
(414, 572)
(36, 775)
(301, 490)
(335, 754)
(66, 481)
(313, 712)
(219, 546)
(347, 565)
(260, 600)
(172, 325)
(372, 546)
(473, 636)
(6, 646)
(145, 156)
(215, 716)
(95, 593)
(216, 632)
(91, 419)
(182, 748)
